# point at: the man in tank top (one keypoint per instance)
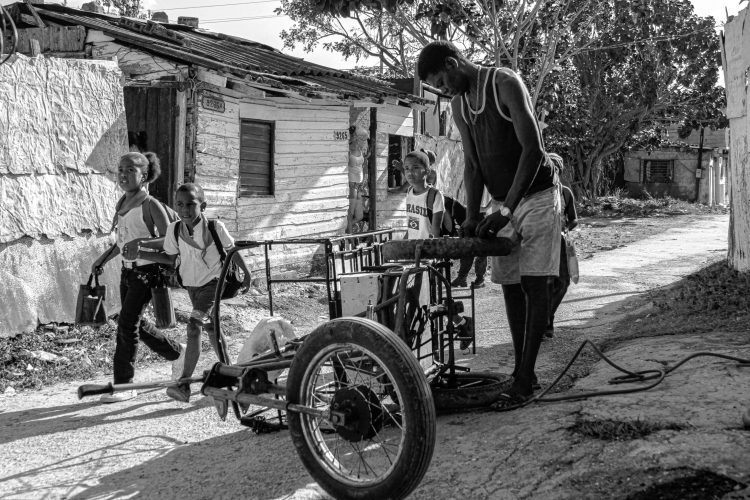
(504, 152)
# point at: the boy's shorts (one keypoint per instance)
(535, 228)
(202, 299)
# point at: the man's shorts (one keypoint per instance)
(202, 299)
(535, 228)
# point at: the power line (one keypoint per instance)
(220, 5)
(231, 19)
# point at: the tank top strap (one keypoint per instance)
(497, 99)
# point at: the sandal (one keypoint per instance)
(510, 400)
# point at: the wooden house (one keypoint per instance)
(266, 135)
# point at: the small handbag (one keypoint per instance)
(90, 309)
(164, 315)
(570, 250)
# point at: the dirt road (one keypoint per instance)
(54, 446)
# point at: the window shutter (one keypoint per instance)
(256, 158)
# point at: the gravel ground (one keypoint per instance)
(683, 438)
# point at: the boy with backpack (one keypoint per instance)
(425, 207)
(196, 241)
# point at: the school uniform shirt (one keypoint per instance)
(419, 216)
(129, 227)
(197, 270)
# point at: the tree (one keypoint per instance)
(599, 71)
(127, 8)
(649, 67)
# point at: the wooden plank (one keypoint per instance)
(255, 154)
(180, 133)
(216, 166)
(253, 167)
(217, 184)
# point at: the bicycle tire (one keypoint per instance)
(468, 390)
(446, 248)
(376, 423)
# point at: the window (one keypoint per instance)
(256, 157)
(658, 171)
(398, 148)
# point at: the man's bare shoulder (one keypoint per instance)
(507, 78)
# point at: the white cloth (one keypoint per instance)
(193, 270)
(419, 222)
(356, 169)
(129, 227)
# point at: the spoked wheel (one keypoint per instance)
(468, 390)
(373, 433)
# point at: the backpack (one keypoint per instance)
(170, 275)
(232, 283)
(448, 226)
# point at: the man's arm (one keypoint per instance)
(473, 180)
(515, 97)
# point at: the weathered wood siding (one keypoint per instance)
(61, 136)
(736, 56)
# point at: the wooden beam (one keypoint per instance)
(372, 169)
(35, 14)
(34, 48)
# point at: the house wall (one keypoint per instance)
(391, 207)
(61, 136)
(711, 138)
(684, 181)
(736, 60)
(310, 171)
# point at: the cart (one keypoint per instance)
(359, 405)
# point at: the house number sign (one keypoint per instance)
(341, 135)
(213, 103)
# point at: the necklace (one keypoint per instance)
(474, 113)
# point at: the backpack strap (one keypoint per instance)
(431, 194)
(177, 232)
(217, 241)
(148, 219)
(118, 206)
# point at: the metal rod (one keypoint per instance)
(260, 400)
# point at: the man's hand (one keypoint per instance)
(96, 268)
(491, 225)
(468, 228)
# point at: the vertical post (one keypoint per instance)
(372, 169)
(417, 91)
(700, 164)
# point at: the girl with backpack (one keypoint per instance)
(134, 173)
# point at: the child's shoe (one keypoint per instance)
(179, 392)
(477, 284)
(463, 332)
(118, 397)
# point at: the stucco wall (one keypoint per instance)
(62, 132)
(683, 185)
(736, 56)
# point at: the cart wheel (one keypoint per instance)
(382, 445)
(468, 390)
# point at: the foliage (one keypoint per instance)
(127, 8)
(603, 75)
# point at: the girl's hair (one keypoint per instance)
(149, 160)
(430, 155)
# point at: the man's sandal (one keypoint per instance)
(510, 400)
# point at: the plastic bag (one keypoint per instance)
(570, 250)
(90, 306)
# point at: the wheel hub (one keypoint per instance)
(362, 411)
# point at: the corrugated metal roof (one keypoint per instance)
(244, 58)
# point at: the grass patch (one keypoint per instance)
(716, 298)
(620, 430)
(619, 205)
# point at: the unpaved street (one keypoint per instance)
(54, 446)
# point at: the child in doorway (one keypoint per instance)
(200, 265)
(559, 285)
(134, 174)
(425, 207)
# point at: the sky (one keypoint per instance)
(255, 20)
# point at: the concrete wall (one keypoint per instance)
(62, 133)
(683, 185)
(736, 60)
